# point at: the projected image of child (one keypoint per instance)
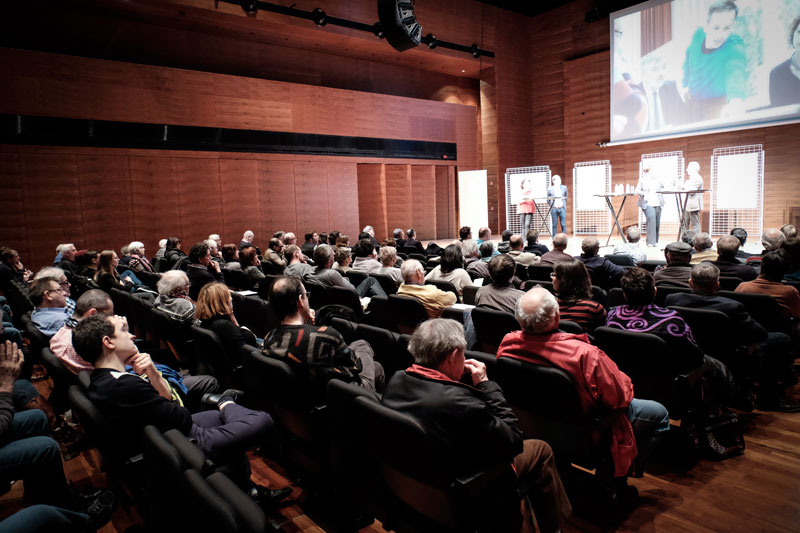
(715, 68)
(665, 107)
(784, 80)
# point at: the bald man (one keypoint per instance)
(600, 384)
(557, 254)
(604, 273)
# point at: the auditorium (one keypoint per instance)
(400, 265)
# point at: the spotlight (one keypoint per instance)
(377, 29)
(319, 17)
(476, 52)
(430, 40)
(250, 7)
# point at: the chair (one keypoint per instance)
(235, 279)
(386, 282)
(729, 283)
(347, 297)
(531, 283)
(160, 264)
(451, 313)
(762, 307)
(62, 378)
(468, 294)
(569, 326)
(521, 271)
(711, 330)
(317, 294)
(253, 312)
(420, 494)
(388, 352)
(663, 291)
(356, 277)
(269, 268)
(651, 264)
(615, 297)
(621, 259)
(540, 272)
(793, 283)
(265, 286)
(490, 328)
(38, 341)
(215, 503)
(407, 313)
(18, 298)
(600, 296)
(443, 285)
(380, 313)
(206, 355)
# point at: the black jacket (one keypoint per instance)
(199, 277)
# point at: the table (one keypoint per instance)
(608, 198)
(543, 218)
(681, 203)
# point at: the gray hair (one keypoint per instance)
(727, 246)
(590, 246)
(162, 243)
(367, 229)
(702, 241)
(705, 276)
(214, 237)
(633, 234)
(135, 247)
(49, 272)
(772, 239)
(560, 240)
(409, 270)
(172, 280)
(248, 235)
(61, 248)
(211, 243)
(537, 319)
(388, 255)
(434, 340)
(469, 248)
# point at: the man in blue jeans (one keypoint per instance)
(557, 196)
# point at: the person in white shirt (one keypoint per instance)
(694, 204)
(650, 200)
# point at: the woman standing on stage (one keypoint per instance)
(651, 201)
(526, 206)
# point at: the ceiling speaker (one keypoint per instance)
(399, 24)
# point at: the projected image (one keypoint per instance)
(696, 66)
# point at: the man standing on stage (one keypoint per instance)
(650, 200)
(557, 198)
(694, 204)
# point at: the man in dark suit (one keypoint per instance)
(665, 107)
(412, 242)
(728, 265)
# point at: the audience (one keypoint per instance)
(289, 238)
(11, 268)
(478, 267)
(703, 250)
(399, 237)
(573, 287)
(50, 301)
(342, 259)
(311, 240)
(792, 249)
(214, 310)
(365, 260)
(173, 296)
(473, 425)
(297, 262)
(520, 256)
(728, 265)
(534, 247)
(771, 240)
(251, 266)
(484, 235)
(370, 231)
(202, 270)
(557, 255)
(451, 268)
(274, 254)
(230, 254)
(139, 262)
(173, 253)
(67, 263)
(789, 231)
(500, 295)
(741, 236)
(678, 269)
(388, 258)
(603, 272)
(247, 239)
(464, 233)
(326, 275)
(774, 265)
(216, 256)
(632, 247)
(433, 300)
(412, 242)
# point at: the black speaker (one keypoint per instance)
(399, 24)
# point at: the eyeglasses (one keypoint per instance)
(64, 283)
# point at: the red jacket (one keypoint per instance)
(601, 385)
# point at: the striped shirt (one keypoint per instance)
(587, 313)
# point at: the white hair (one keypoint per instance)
(248, 235)
(537, 320)
(172, 280)
(135, 247)
(470, 248)
(409, 269)
(61, 248)
(434, 340)
(211, 243)
(162, 243)
(49, 272)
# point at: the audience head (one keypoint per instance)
(230, 253)
(162, 243)
(774, 265)
(537, 311)
(324, 238)
(93, 301)
(173, 283)
(389, 242)
(412, 233)
(248, 256)
(276, 245)
(688, 237)
(397, 234)
(789, 231)
(217, 240)
(515, 242)
(364, 248)
(501, 269)
(323, 256)
(741, 234)
(212, 247)
(333, 238)
(364, 235)
(292, 254)
(289, 238)
(532, 237)
(9, 256)
(288, 297)
(560, 241)
(590, 246)
(772, 239)
(388, 256)
(343, 240)
(342, 256)
(439, 343)
(124, 251)
(248, 236)
(464, 233)
(638, 286)
(727, 247)
(572, 281)
(214, 300)
(469, 248)
(87, 258)
(173, 243)
(452, 258)
(279, 235)
(678, 252)
(506, 235)
(485, 234)
(487, 249)
(369, 230)
(705, 278)
(702, 241)
(412, 271)
(199, 254)
(136, 248)
(108, 263)
(101, 333)
(47, 292)
(309, 237)
(67, 251)
(633, 234)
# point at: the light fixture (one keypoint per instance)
(430, 41)
(250, 7)
(319, 17)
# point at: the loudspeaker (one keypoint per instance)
(399, 24)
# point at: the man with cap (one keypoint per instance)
(679, 268)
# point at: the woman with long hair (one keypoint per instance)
(107, 276)
(573, 287)
(451, 268)
(214, 309)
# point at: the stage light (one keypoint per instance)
(430, 41)
(250, 7)
(476, 51)
(377, 29)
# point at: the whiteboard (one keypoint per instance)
(737, 184)
(473, 199)
(589, 181)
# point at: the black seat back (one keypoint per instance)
(386, 282)
(252, 312)
(711, 330)
(662, 291)
(347, 297)
(388, 351)
(540, 272)
(621, 259)
(762, 307)
(468, 294)
(729, 283)
(615, 297)
(490, 328)
(407, 313)
(355, 277)
(62, 378)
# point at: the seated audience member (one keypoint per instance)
(247, 240)
(771, 240)
(464, 233)
(28, 453)
(162, 248)
(11, 268)
(67, 263)
(792, 249)
(130, 401)
(173, 296)
(678, 269)
(557, 255)
(773, 349)
(326, 275)
(365, 260)
(639, 313)
(251, 266)
(451, 268)
(703, 250)
(216, 256)
(503, 246)
(125, 257)
(107, 276)
(307, 248)
(412, 242)
(388, 258)
(275, 254)
(472, 424)
(399, 237)
(342, 259)
(369, 230)
(297, 262)
(480, 267)
(519, 256)
(433, 300)
(484, 235)
(139, 262)
(332, 238)
(230, 255)
(278, 235)
(289, 238)
(174, 252)
(214, 310)
(534, 246)
(573, 286)
(741, 235)
(343, 241)
(728, 265)
(500, 295)
(202, 270)
(603, 272)
(87, 262)
(61, 277)
(320, 351)
(789, 231)
(633, 247)
(217, 240)
(774, 265)
(469, 249)
(50, 301)
(601, 386)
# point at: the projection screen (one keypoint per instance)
(688, 67)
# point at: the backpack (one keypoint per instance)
(722, 436)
